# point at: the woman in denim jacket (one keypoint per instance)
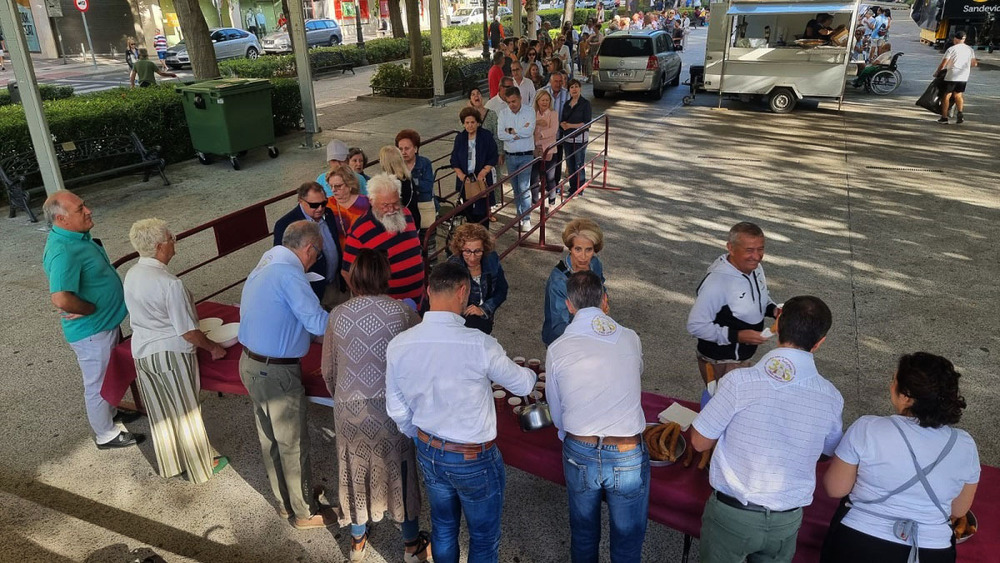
(584, 239)
(472, 246)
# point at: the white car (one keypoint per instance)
(557, 5)
(465, 16)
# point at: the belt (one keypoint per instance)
(522, 153)
(271, 361)
(624, 443)
(735, 503)
(469, 450)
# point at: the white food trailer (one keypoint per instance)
(756, 50)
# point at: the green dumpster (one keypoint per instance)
(229, 116)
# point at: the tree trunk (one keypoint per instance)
(413, 33)
(531, 8)
(568, 13)
(197, 39)
(396, 19)
(291, 38)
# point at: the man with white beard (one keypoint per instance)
(388, 227)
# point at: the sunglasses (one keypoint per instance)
(315, 204)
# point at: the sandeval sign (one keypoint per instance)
(970, 8)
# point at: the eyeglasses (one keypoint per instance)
(339, 186)
(389, 206)
(476, 252)
(315, 204)
(317, 248)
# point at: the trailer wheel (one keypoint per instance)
(782, 100)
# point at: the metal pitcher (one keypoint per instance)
(534, 416)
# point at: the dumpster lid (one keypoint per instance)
(751, 8)
(224, 86)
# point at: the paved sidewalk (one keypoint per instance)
(886, 215)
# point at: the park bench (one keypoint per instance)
(91, 159)
(333, 61)
(474, 75)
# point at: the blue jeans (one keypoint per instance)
(457, 486)
(521, 182)
(576, 156)
(409, 528)
(622, 478)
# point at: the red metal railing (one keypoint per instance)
(599, 159)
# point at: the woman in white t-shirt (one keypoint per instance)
(876, 464)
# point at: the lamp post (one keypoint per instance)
(361, 39)
(486, 33)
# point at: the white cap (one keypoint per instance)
(336, 150)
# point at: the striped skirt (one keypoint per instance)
(169, 384)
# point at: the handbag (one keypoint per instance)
(472, 187)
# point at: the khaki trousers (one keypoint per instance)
(713, 370)
(279, 402)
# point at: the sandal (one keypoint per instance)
(359, 547)
(421, 549)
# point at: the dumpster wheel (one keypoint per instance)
(688, 100)
(204, 158)
(272, 152)
(235, 161)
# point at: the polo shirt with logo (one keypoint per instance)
(74, 262)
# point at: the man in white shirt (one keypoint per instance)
(516, 128)
(958, 60)
(594, 390)
(769, 425)
(498, 103)
(527, 87)
(439, 377)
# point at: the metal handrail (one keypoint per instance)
(544, 211)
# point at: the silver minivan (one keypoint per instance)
(636, 61)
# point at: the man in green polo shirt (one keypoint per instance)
(145, 71)
(87, 290)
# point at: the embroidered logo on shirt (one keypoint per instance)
(603, 326)
(780, 369)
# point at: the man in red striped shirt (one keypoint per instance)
(389, 227)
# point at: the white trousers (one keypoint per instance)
(93, 354)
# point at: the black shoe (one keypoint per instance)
(122, 440)
(942, 120)
(961, 118)
(127, 417)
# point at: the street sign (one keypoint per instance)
(82, 5)
(54, 8)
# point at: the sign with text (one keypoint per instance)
(54, 8)
(82, 5)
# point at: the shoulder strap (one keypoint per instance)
(921, 473)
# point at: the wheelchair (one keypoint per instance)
(881, 77)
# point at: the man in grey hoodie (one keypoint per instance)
(728, 314)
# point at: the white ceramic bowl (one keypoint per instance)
(209, 324)
(225, 335)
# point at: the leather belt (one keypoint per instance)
(624, 443)
(271, 361)
(735, 503)
(470, 451)
(522, 153)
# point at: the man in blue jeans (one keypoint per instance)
(439, 392)
(595, 396)
(516, 128)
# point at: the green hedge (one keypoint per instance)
(47, 91)
(378, 51)
(396, 80)
(156, 114)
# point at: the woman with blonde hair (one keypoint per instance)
(472, 247)
(392, 164)
(584, 239)
(546, 132)
(165, 341)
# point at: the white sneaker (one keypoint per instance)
(525, 223)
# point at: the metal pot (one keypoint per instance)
(534, 416)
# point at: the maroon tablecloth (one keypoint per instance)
(678, 494)
(218, 375)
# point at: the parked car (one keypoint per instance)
(465, 16)
(636, 61)
(229, 43)
(586, 4)
(319, 33)
(557, 5)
